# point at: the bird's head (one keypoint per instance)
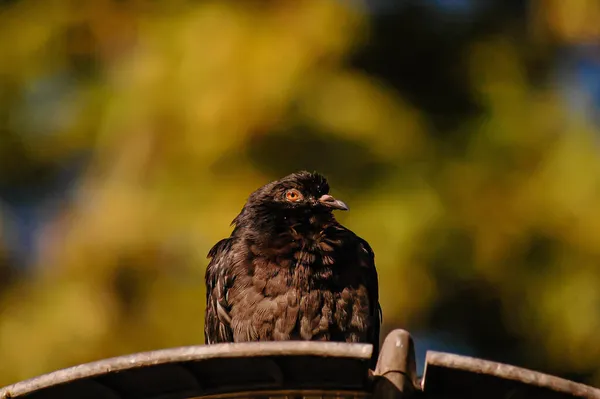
(303, 191)
(293, 196)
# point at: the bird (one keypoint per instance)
(290, 271)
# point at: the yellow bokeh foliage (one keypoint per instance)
(180, 93)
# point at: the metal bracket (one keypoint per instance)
(395, 376)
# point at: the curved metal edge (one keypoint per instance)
(186, 354)
(514, 373)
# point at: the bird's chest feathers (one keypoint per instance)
(304, 257)
(300, 283)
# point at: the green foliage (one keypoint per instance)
(185, 108)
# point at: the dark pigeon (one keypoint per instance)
(290, 271)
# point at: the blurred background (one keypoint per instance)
(463, 134)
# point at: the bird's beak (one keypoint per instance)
(332, 203)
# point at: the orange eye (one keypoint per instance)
(293, 195)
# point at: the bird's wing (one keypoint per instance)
(371, 281)
(217, 322)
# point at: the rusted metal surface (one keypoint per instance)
(449, 375)
(395, 376)
(207, 369)
(295, 370)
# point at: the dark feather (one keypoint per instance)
(290, 271)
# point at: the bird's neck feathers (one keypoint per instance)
(268, 226)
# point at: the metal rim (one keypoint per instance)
(509, 372)
(187, 354)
